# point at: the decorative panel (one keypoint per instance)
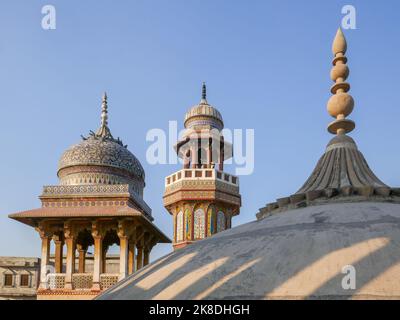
(199, 224)
(220, 221)
(179, 226)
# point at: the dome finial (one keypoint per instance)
(341, 104)
(203, 93)
(104, 131)
(104, 110)
(339, 43)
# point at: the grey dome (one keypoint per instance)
(295, 254)
(101, 152)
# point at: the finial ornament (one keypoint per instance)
(104, 111)
(341, 104)
(203, 93)
(339, 43)
(103, 133)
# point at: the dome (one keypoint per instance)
(99, 152)
(297, 254)
(337, 237)
(203, 115)
(101, 159)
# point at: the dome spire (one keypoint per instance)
(342, 170)
(203, 93)
(104, 130)
(341, 104)
(104, 110)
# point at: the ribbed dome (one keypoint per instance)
(203, 115)
(100, 152)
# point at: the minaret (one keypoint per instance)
(201, 197)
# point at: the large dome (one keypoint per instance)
(297, 254)
(338, 237)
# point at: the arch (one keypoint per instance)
(211, 220)
(188, 224)
(199, 224)
(188, 160)
(220, 221)
(202, 157)
(179, 226)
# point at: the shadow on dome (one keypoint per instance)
(294, 255)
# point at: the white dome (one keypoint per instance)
(296, 254)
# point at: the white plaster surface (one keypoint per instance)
(298, 254)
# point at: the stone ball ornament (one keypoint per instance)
(340, 104)
(340, 71)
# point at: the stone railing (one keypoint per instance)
(82, 281)
(107, 280)
(203, 174)
(55, 281)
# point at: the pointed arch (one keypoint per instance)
(179, 226)
(188, 224)
(211, 220)
(199, 223)
(221, 223)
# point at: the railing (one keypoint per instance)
(55, 281)
(80, 281)
(204, 174)
(107, 280)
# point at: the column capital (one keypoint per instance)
(151, 242)
(58, 237)
(43, 230)
(81, 247)
(98, 230)
(70, 231)
(126, 228)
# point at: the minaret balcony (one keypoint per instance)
(202, 184)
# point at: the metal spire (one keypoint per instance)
(203, 93)
(104, 131)
(104, 111)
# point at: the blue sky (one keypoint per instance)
(266, 64)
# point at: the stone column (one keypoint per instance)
(70, 264)
(98, 255)
(209, 153)
(104, 258)
(82, 258)
(195, 157)
(146, 256)
(59, 243)
(123, 257)
(139, 263)
(44, 262)
(125, 230)
(131, 257)
(221, 155)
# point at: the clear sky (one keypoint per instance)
(266, 64)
